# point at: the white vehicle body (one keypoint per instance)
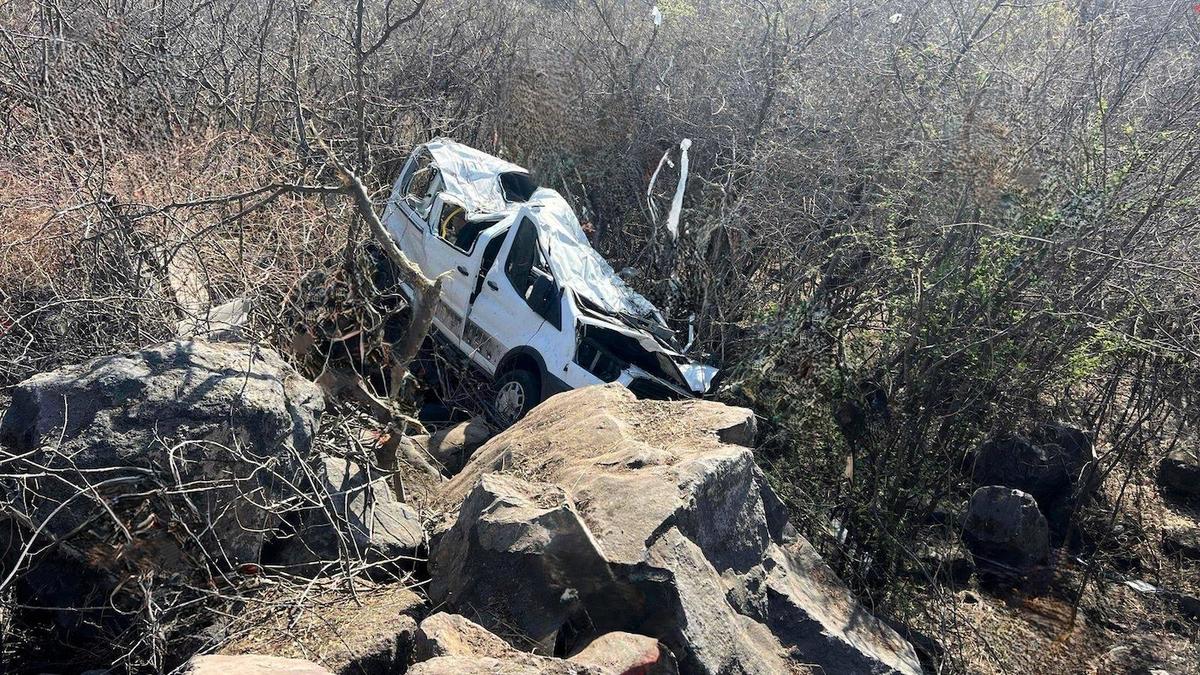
(522, 288)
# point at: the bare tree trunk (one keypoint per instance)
(426, 291)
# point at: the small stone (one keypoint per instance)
(452, 447)
(1185, 543)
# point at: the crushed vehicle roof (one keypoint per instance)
(473, 177)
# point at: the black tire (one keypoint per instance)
(517, 391)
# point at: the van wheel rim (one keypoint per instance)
(510, 401)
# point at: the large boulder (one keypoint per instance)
(1179, 474)
(1005, 531)
(352, 515)
(165, 460)
(599, 512)
(1055, 463)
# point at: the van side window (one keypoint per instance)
(455, 229)
(530, 275)
(422, 185)
(521, 258)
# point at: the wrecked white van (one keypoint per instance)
(524, 295)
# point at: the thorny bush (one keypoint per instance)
(906, 226)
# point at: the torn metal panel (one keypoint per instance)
(470, 175)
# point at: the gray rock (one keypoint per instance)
(620, 652)
(358, 518)
(947, 563)
(1189, 605)
(251, 664)
(515, 540)
(219, 426)
(1184, 543)
(453, 446)
(598, 513)
(1005, 531)
(444, 634)
(1055, 464)
(450, 644)
(525, 664)
(1179, 474)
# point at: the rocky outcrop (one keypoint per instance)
(600, 513)
(251, 664)
(1179, 474)
(356, 516)
(1005, 531)
(165, 460)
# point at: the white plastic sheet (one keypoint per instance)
(677, 201)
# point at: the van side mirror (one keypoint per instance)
(545, 299)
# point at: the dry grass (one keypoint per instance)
(139, 239)
(334, 628)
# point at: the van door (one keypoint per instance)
(454, 247)
(517, 299)
(408, 208)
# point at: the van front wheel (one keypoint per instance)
(517, 391)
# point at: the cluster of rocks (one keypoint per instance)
(176, 461)
(1179, 480)
(1028, 489)
(601, 534)
(600, 513)
(450, 644)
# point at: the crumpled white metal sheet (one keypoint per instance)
(470, 175)
(577, 265)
